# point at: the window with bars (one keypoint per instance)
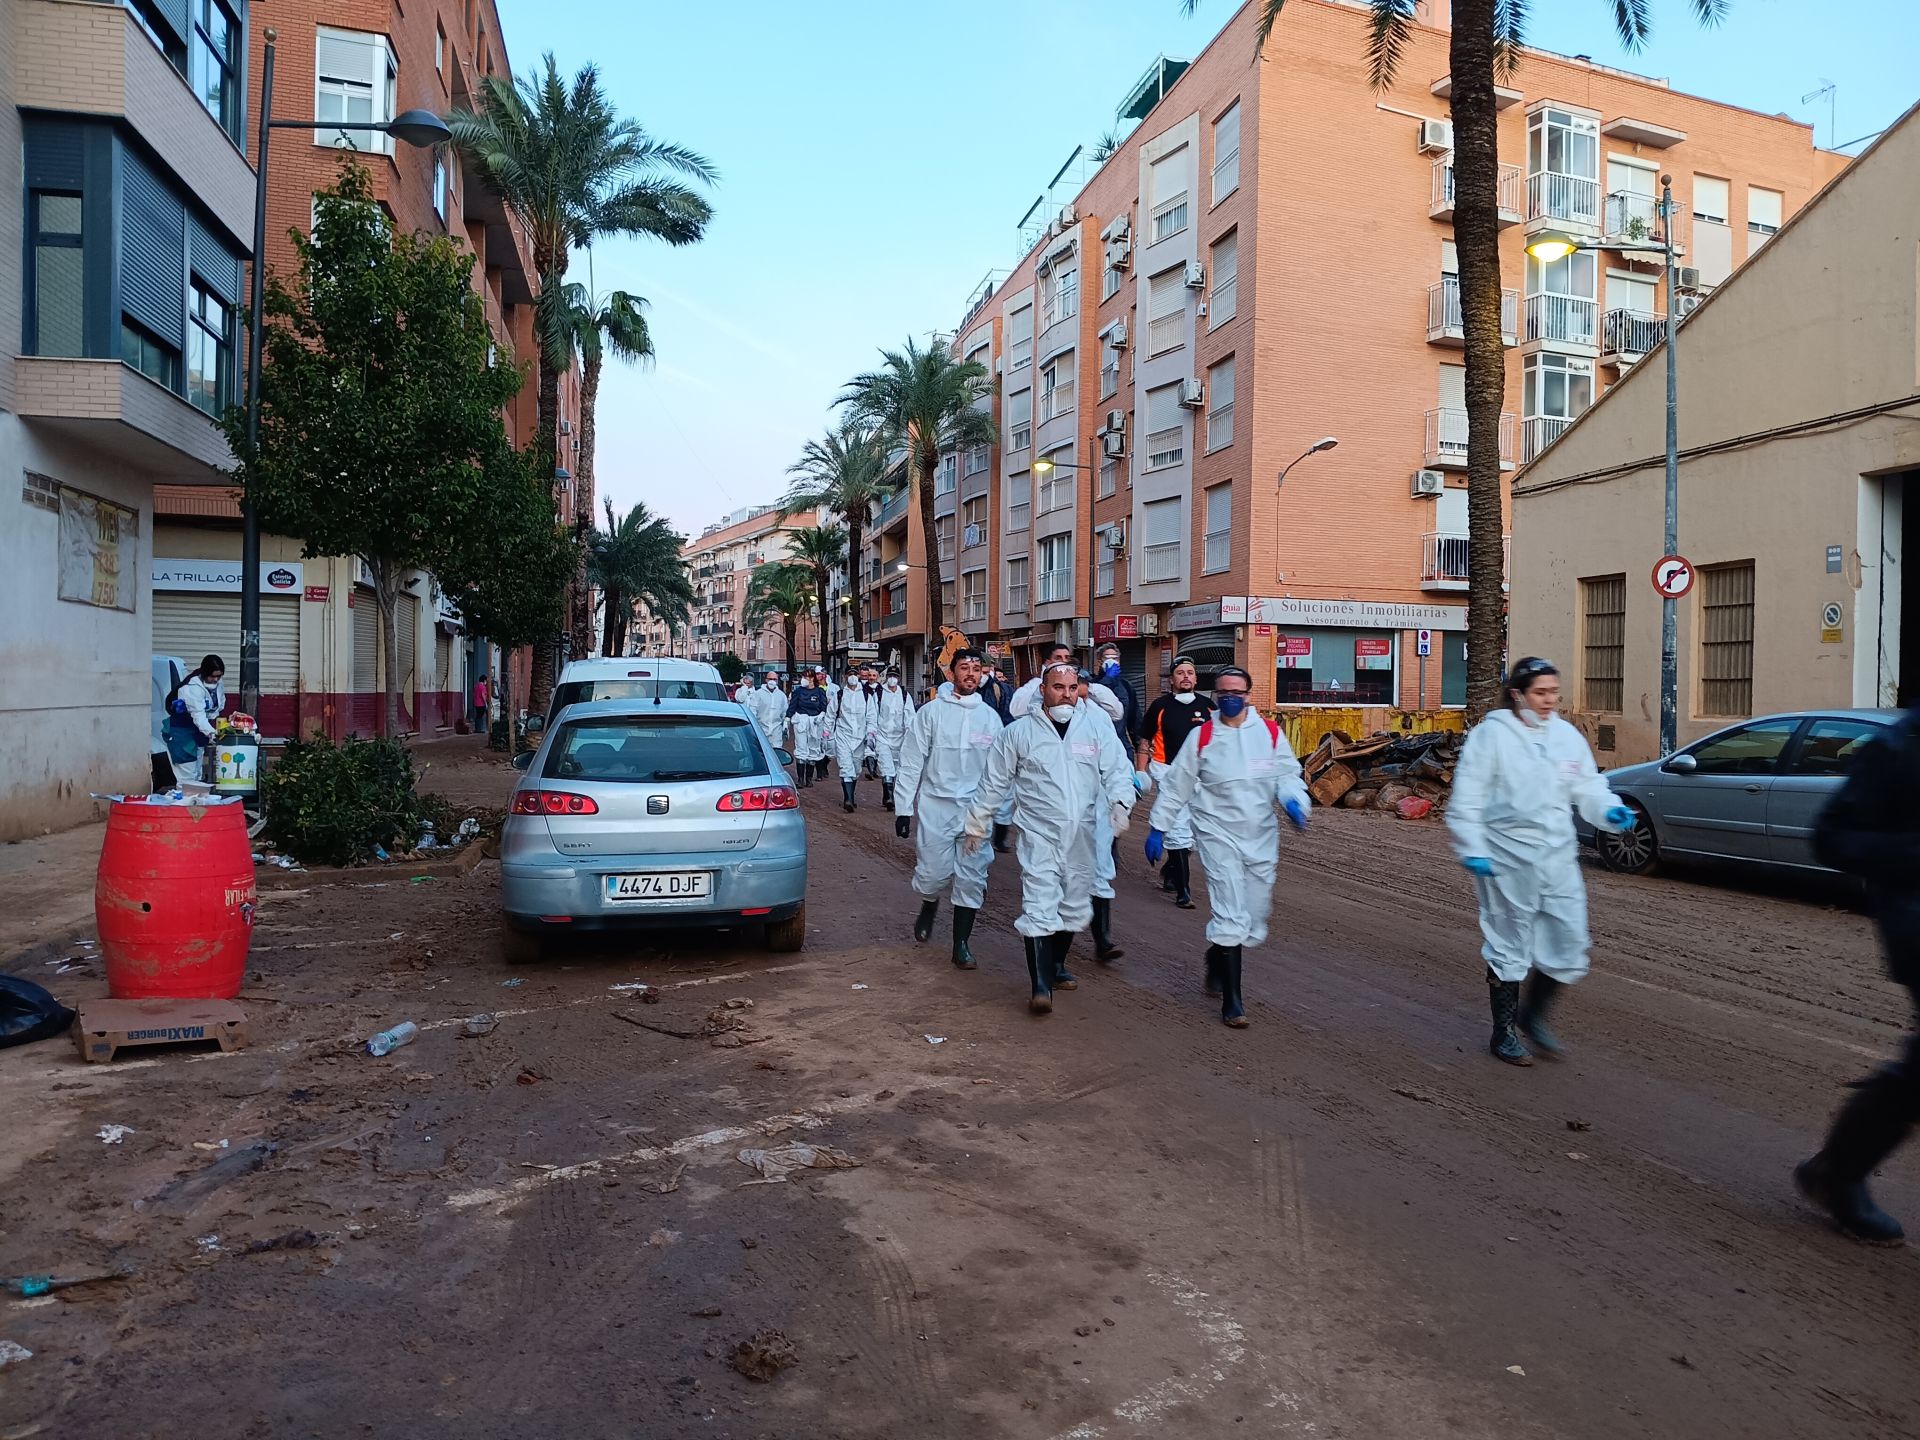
(1056, 386)
(1226, 153)
(1017, 586)
(1056, 570)
(1019, 498)
(1167, 311)
(1062, 297)
(943, 534)
(1220, 405)
(1104, 570)
(1168, 177)
(1110, 375)
(1109, 475)
(1603, 605)
(947, 476)
(1218, 552)
(1020, 419)
(976, 459)
(973, 515)
(1726, 639)
(1226, 279)
(1056, 482)
(1166, 431)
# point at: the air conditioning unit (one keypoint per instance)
(566, 427)
(1196, 275)
(1116, 421)
(1069, 216)
(1115, 535)
(1192, 394)
(1436, 137)
(1150, 623)
(1685, 305)
(1116, 231)
(1429, 482)
(1117, 257)
(1686, 277)
(1117, 337)
(1113, 445)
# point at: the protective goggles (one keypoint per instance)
(1528, 671)
(1231, 670)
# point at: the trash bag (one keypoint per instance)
(29, 1013)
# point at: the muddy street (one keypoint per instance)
(1123, 1220)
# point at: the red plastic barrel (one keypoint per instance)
(174, 900)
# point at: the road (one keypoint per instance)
(1123, 1220)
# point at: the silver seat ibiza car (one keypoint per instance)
(649, 814)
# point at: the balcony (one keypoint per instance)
(1444, 561)
(1160, 563)
(1627, 336)
(1562, 320)
(1447, 440)
(114, 409)
(892, 620)
(1055, 587)
(972, 536)
(1016, 599)
(893, 513)
(1445, 326)
(1633, 218)
(1542, 431)
(1509, 192)
(973, 609)
(1572, 201)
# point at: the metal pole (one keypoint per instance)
(249, 517)
(1093, 547)
(1669, 613)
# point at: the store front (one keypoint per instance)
(196, 613)
(1325, 666)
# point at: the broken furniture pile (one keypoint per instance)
(1410, 774)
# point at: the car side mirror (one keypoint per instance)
(523, 760)
(785, 757)
(1681, 765)
(535, 724)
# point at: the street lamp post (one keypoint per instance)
(1554, 246)
(414, 127)
(1092, 469)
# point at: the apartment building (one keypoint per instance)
(1799, 495)
(322, 664)
(130, 217)
(1282, 231)
(720, 563)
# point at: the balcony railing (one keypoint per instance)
(1570, 199)
(1543, 430)
(1633, 217)
(1445, 560)
(1446, 326)
(973, 607)
(1626, 335)
(1447, 439)
(892, 510)
(893, 619)
(1566, 319)
(1056, 587)
(1016, 599)
(1160, 563)
(1509, 191)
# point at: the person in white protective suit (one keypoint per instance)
(768, 707)
(1060, 764)
(896, 708)
(1223, 787)
(1106, 857)
(942, 757)
(1521, 774)
(1027, 698)
(808, 709)
(855, 723)
(1169, 722)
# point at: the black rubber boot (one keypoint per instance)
(846, 795)
(1505, 1044)
(1866, 1131)
(1040, 972)
(923, 922)
(886, 795)
(1000, 839)
(963, 932)
(1214, 952)
(803, 773)
(1169, 872)
(1231, 1009)
(1062, 977)
(1536, 1002)
(1183, 878)
(1104, 950)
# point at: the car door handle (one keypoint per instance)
(1753, 789)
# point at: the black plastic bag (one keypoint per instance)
(29, 1013)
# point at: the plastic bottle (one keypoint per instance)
(428, 840)
(389, 1040)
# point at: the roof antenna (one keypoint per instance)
(1828, 92)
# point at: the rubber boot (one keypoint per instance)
(1040, 972)
(803, 772)
(923, 922)
(1104, 950)
(1062, 977)
(1231, 1009)
(1865, 1132)
(1536, 1002)
(963, 932)
(1000, 839)
(886, 795)
(846, 795)
(1214, 952)
(1505, 998)
(1169, 872)
(1183, 878)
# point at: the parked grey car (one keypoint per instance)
(1750, 793)
(652, 814)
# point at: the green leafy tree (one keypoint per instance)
(844, 472)
(380, 410)
(1485, 46)
(731, 667)
(926, 402)
(779, 590)
(636, 561)
(823, 550)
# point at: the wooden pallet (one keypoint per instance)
(107, 1026)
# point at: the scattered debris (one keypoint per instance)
(706, 1312)
(1682, 1361)
(528, 1076)
(630, 987)
(210, 1145)
(13, 1354)
(478, 1025)
(775, 1165)
(511, 984)
(387, 1041)
(208, 1244)
(1576, 1155)
(1083, 1331)
(1382, 771)
(30, 1286)
(180, 1196)
(114, 1134)
(764, 1355)
(661, 1239)
(1410, 1093)
(935, 1039)
(747, 1242)
(738, 1003)
(663, 1184)
(1579, 1124)
(1516, 1370)
(859, 987)
(292, 1240)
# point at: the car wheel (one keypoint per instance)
(522, 947)
(1631, 852)
(789, 934)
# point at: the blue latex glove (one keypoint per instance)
(1140, 782)
(1297, 813)
(1477, 865)
(1621, 817)
(1156, 847)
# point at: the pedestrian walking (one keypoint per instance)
(833, 689)
(1872, 829)
(1059, 764)
(1521, 774)
(768, 707)
(943, 755)
(1222, 789)
(193, 714)
(1106, 669)
(482, 694)
(997, 692)
(1106, 856)
(1027, 697)
(855, 724)
(894, 709)
(807, 711)
(1170, 720)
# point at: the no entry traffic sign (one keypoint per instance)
(1673, 576)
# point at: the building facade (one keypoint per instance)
(1799, 387)
(130, 219)
(720, 563)
(1282, 231)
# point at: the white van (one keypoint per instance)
(641, 677)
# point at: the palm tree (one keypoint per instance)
(926, 402)
(783, 589)
(1485, 46)
(572, 170)
(636, 560)
(846, 473)
(822, 549)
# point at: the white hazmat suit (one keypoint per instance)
(1027, 699)
(942, 759)
(1058, 783)
(768, 707)
(1226, 789)
(856, 721)
(1515, 787)
(895, 711)
(810, 732)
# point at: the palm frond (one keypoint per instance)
(1710, 12)
(1509, 37)
(1389, 27)
(1633, 20)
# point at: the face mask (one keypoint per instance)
(1110, 669)
(1060, 713)
(1232, 705)
(1185, 697)
(893, 684)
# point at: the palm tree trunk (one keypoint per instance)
(1476, 171)
(930, 539)
(552, 271)
(610, 631)
(856, 582)
(582, 626)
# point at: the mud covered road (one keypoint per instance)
(1120, 1221)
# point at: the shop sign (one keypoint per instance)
(1121, 627)
(1194, 617)
(1351, 614)
(1263, 631)
(316, 593)
(1294, 652)
(277, 577)
(1372, 654)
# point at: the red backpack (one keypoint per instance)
(1273, 732)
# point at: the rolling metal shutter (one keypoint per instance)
(442, 660)
(409, 646)
(153, 247)
(214, 261)
(366, 641)
(192, 625)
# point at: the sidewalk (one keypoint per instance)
(48, 882)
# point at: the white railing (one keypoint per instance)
(1017, 517)
(1166, 332)
(1219, 550)
(1446, 557)
(1634, 216)
(1509, 188)
(1542, 431)
(1566, 318)
(1445, 321)
(1160, 562)
(1574, 199)
(1016, 599)
(1056, 586)
(1631, 333)
(1447, 437)
(1166, 447)
(973, 607)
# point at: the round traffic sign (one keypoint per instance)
(1832, 614)
(1672, 576)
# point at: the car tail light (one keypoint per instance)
(770, 797)
(553, 802)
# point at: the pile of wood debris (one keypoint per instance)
(1407, 773)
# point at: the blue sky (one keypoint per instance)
(876, 156)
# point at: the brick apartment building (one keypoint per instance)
(720, 562)
(1281, 231)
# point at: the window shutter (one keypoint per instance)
(1161, 521)
(1165, 294)
(1220, 385)
(348, 55)
(1163, 408)
(1710, 198)
(216, 265)
(153, 248)
(1020, 407)
(1220, 508)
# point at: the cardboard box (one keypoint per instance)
(104, 1027)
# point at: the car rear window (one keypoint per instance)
(577, 691)
(655, 751)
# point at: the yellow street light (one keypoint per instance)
(1551, 245)
(1042, 466)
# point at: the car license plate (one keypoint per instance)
(660, 885)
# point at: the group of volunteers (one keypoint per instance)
(858, 726)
